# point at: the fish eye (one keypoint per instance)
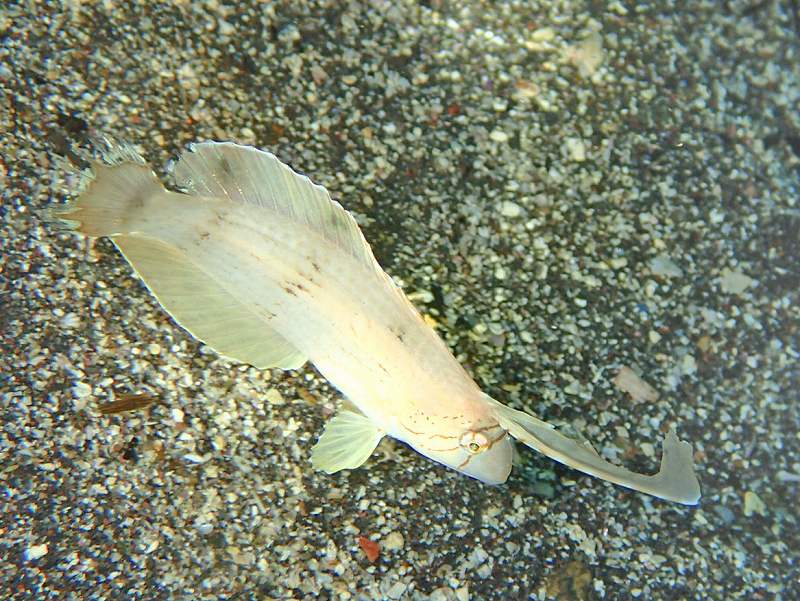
(474, 442)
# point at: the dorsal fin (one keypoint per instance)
(246, 174)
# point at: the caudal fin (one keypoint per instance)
(124, 200)
(114, 202)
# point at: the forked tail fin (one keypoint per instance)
(116, 200)
(125, 201)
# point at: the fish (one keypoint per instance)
(260, 264)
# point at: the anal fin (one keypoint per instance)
(346, 443)
(206, 309)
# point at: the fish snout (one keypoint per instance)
(493, 465)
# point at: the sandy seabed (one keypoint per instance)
(565, 189)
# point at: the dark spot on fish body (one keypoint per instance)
(294, 287)
(254, 256)
(225, 166)
(306, 277)
(418, 433)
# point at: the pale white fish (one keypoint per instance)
(260, 264)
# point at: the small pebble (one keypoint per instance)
(498, 136)
(393, 541)
(510, 209)
(35, 552)
(735, 282)
(576, 149)
(753, 504)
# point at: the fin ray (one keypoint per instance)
(249, 175)
(348, 440)
(204, 308)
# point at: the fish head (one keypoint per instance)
(485, 454)
(480, 450)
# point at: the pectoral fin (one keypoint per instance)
(675, 481)
(346, 443)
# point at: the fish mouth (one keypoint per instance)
(493, 465)
(489, 446)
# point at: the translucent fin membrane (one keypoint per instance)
(675, 481)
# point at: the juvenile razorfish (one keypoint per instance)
(260, 264)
